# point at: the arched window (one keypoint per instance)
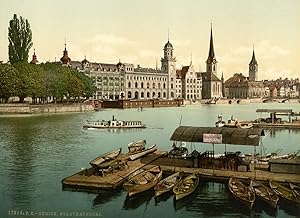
(136, 84)
(136, 95)
(153, 94)
(142, 94)
(129, 84)
(164, 85)
(153, 85)
(148, 94)
(187, 80)
(171, 85)
(158, 94)
(164, 94)
(129, 94)
(148, 85)
(142, 85)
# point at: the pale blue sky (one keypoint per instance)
(135, 31)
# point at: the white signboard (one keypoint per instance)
(212, 138)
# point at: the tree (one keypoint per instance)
(20, 39)
(8, 81)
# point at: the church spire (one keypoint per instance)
(253, 60)
(211, 53)
(211, 63)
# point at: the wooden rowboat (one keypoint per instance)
(284, 192)
(186, 186)
(241, 192)
(167, 184)
(106, 159)
(143, 153)
(264, 193)
(143, 181)
(296, 190)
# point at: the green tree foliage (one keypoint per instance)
(42, 81)
(9, 81)
(20, 39)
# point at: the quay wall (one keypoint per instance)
(27, 108)
(140, 103)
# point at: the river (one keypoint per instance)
(38, 151)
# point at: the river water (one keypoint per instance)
(38, 151)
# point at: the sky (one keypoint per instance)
(135, 31)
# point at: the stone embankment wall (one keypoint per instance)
(46, 108)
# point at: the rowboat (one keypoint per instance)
(106, 159)
(137, 146)
(143, 181)
(166, 184)
(295, 189)
(241, 192)
(143, 153)
(186, 186)
(264, 193)
(284, 192)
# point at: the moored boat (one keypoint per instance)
(284, 192)
(143, 181)
(106, 159)
(166, 184)
(295, 189)
(264, 193)
(149, 150)
(136, 146)
(186, 186)
(241, 192)
(114, 123)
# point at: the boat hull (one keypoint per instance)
(180, 190)
(106, 159)
(241, 192)
(132, 188)
(284, 192)
(167, 184)
(264, 193)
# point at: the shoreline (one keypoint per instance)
(30, 109)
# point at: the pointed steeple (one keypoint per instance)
(211, 63)
(34, 58)
(222, 77)
(253, 60)
(65, 58)
(211, 53)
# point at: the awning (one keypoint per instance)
(229, 135)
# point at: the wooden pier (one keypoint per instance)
(90, 180)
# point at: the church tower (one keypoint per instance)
(168, 65)
(211, 63)
(65, 58)
(253, 68)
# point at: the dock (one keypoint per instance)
(86, 180)
(89, 179)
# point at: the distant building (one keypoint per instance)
(211, 84)
(188, 83)
(34, 58)
(253, 68)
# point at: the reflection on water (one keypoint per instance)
(105, 196)
(37, 152)
(137, 200)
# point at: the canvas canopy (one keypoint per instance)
(229, 135)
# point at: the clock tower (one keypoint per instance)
(253, 68)
(168, 66)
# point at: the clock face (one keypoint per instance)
(172, 69)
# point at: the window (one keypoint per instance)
(164, 85)
(129, 84)
(153, 85)
(136, 84)
(142, 85)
